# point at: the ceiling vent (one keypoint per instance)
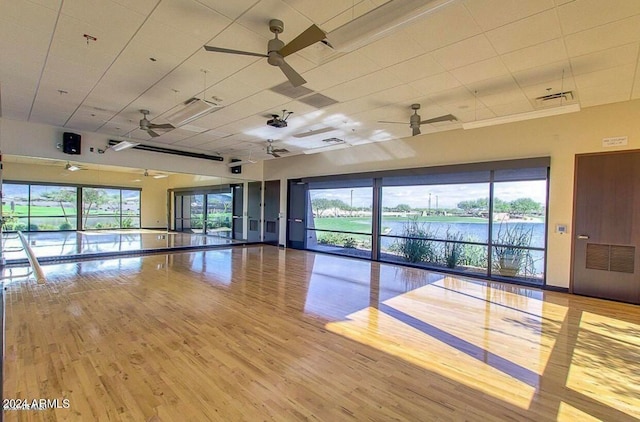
(291, 91)
(555, 99)
(318, 100)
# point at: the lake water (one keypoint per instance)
(474, 232)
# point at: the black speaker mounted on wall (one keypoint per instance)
(236, 169)
(71, 143)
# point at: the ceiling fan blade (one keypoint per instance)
(294, 77)
(311, 35)
(445, 118)
(152, 133)
(416, 131)
(227, 50)
(273, 154)
(385, 121)
(161, 126)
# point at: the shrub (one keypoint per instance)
(453, 251)
(349, 242)
(415, 247)
(33, 227)
(510, 255)
(66, 226)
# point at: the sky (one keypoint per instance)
(446, 196)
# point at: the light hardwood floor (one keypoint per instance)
(259, 333)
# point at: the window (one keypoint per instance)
(108, 208)
(53, 208)
(15, 207)
(436, 225)
(340, 220)
(485, 219)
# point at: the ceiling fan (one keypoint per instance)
(72, 167)
(155, 176)
(148, 127)
(415, 120)
(275, 152)
(277, 50)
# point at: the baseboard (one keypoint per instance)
(556, 289)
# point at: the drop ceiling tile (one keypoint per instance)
(70, 45)
(392, 49)
(323, 11)
(535, 56)
(257, 19)
(621, 76)
(530, 31)
(231, 9)
(604, 94)
(465, 52)
(492, 14)
(486, 69)
(417, 68)
(398, 94)
(459, 98)
(49, 4)
(351, 13)
(102, 18)
(141, 6)
(342, 69)
(585, 14)
(519, 106)
(512, 96)
(15, 106)
(494, 86)
(436, 30)
(603, 37)
(160, 40)
(606, 59)
(191, 18)
(363, 86)
(436, 83)
(543, 74)
(28, 15)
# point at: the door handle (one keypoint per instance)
(583, 236)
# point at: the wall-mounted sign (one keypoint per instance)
(615, 141)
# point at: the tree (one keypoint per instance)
(320, 205)
(474, 206)
(92, 197)
(501, 206)
(403, 208)
(61, 196)
(524, 206)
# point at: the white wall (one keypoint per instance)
(560, 137)
(37, 140)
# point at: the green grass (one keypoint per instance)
(363, 224)
(356, 224)
(439, 219)
(42, 211)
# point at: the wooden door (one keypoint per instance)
(606, 226)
